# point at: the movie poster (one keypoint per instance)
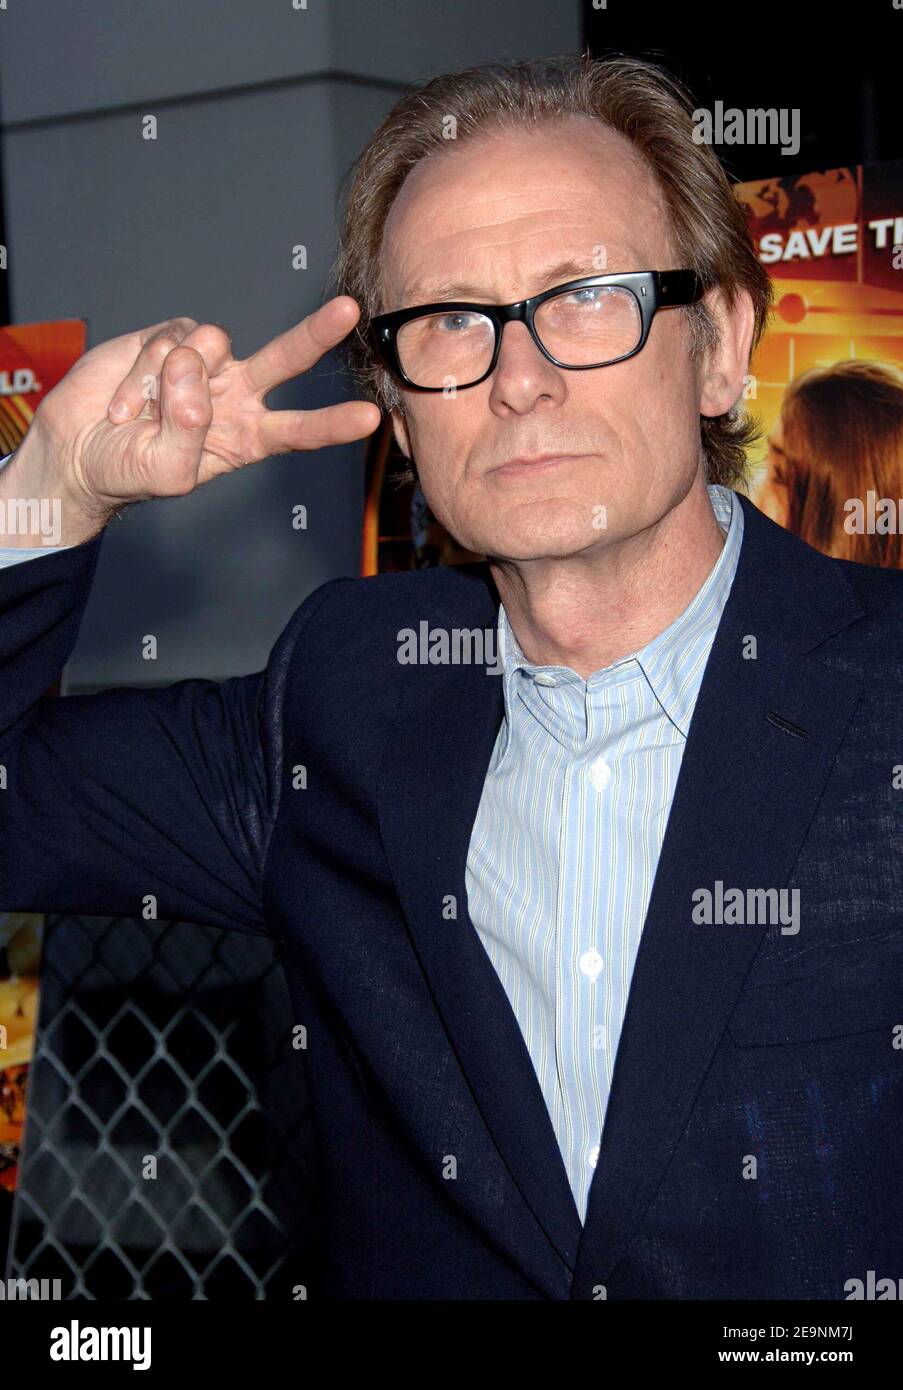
(827, 379)
(33, 358)
(826, 382)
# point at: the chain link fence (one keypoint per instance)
(168, 1146)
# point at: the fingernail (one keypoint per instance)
(119, 410)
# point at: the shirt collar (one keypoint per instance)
(672, 662)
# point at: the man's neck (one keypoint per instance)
(587, 611)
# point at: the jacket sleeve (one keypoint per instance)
(130, 802)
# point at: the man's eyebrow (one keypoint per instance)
(425, 292)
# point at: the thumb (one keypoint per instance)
(186, 411)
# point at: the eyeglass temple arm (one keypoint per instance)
(679, 287)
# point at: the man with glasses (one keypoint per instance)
(599, 957)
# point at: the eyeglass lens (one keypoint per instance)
(580, 328)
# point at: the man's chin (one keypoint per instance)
(536, 532)
(503, 545)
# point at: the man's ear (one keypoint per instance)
(724, 368)
(400, 430)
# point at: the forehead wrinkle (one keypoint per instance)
(499, 233)
(539, 280)
(507, 222)
(584, 190)
(430, 284)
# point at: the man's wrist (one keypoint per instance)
(40, 505)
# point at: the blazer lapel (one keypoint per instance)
(746, 794)
(447, 723)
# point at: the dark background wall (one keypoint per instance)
(838, 65)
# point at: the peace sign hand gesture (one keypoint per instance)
(159, 412)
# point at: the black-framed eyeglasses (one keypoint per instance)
(592, 322)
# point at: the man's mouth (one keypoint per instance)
(528, 465)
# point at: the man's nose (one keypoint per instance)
(522, 373)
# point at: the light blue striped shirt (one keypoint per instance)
(566, 842)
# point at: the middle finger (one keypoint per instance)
(139, 392)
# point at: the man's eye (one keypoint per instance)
(590, 294)
(453, 322)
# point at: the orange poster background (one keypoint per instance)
(846, 304)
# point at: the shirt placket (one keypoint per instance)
(591, 861)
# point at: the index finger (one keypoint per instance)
(296, 350)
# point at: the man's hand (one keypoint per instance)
(159, 412)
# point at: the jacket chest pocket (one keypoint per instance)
(856, 987)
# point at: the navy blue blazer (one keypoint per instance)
(740, 1042)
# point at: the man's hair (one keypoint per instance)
(640, 101)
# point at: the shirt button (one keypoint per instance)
(600, 774)
(592, 1157)
(542, 679)
(591, 963)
